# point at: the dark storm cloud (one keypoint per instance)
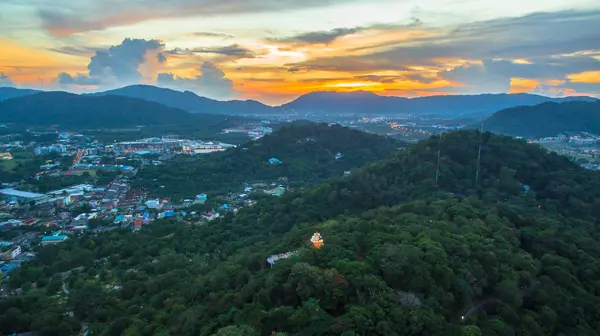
(123, 61)
(210, 83)
(538, 35)
(318, 37)
(328, 36)
(81, 17)
(348, 63)
(79, 79)
(495, 75)
(75, 50)
(118, 64)
(477, 78)
(5, 80)
(212, 34)
(379, 79)
(234, 50)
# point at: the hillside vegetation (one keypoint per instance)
(307, 151)
(190, 101)
(401, 256)
(74, 111)
(365, 103)
(548, 119)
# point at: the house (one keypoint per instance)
(279, 191)
(168, 213)
(137, 224)
(225, 207)
(45, 210)
(119, 219)
(275, 161)
(152, 204)
(210, 216)
(339, 156)
(11, 252)
(46, 240)
(200, 199)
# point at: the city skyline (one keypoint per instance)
(274, 51)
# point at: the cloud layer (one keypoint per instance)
(211, 82)
(278, 49)
(67, 20)
(119, 64)
(5, 80)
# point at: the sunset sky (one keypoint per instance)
(275, 50)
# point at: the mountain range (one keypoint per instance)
(361, 102)
(72, 110)
(190, 101)
(547, 119)
(324, 103)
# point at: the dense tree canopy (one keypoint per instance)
(401, 256)
(545, 120)
(307, 150)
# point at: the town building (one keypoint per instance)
(10, 252)
(14, 195)
(46, 240)
(152, 204)
(201, 199)
(210, 216)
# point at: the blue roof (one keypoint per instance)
(9, 267)
(141, 208)
(53, 238)
(169, 213)
(120, 218)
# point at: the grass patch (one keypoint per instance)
(8, 164)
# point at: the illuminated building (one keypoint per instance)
(316, 240)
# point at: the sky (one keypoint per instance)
(275, 50)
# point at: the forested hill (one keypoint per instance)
(190, 101)
(307, 152)
(74, 111)
(362, 102)
(11, 92)
(548, 119)
(400, 257)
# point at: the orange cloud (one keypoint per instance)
(585, 77)
(31, 66)
(521, 85)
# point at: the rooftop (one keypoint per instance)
(53, 238)
(19, 193)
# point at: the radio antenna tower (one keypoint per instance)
(479, 152)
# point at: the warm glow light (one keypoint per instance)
(585, 77)
(520, 85)
(353, 84)
(316, 240)
(521, 61)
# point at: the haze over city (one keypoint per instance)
(274, 50)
